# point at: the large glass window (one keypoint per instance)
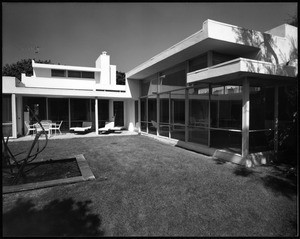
(119, 113)
(220, 58)
(103, 112)
(261, 119)
(226, 118)
(80, 111)
(152, 114)
(58, 73)
(149, 85)
(144, 121)
(178, 114)
(198, 63)
(88, 74)
(164, 115)
(198, 114)
(6, 116)
(38, 103)
(172, 79)
(58, 110)
(74, 74)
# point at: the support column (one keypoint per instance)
(187, 114)
(245, 117)
(170, 111)
(14, 116)
(47, 108)
(69, 111)
(209, 114)
(96, 116)
(157, 115)
(147, 126)
(111, 110)
(276, 121)
(139, 116)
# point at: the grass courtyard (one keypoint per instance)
(152, 189)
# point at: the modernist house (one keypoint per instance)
(219, 91)
(72, 94)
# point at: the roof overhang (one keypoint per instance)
(202, 41)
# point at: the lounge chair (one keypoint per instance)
(86, 127)
(109, 128)
(30, 127)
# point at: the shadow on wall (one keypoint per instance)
(266, 43)
(57, 218)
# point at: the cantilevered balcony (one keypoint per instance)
(240, 67)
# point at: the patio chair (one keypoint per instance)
(56, 127)
(86, 127)
(30, 127)
(162, 127)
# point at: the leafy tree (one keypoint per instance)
(120, 78)
(22, 66)
(293, 20)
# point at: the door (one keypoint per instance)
(119, 113)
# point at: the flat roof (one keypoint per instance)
(194, 45)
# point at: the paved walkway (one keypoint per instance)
(67, 135)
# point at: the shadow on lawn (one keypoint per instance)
(57, 218)
(279, 186)
(242, 171)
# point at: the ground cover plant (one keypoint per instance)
(45, 171)
(152, 189)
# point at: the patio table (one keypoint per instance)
(46, 125)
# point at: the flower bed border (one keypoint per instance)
(86, 174)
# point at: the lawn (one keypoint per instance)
(152, 189)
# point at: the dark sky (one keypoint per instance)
(131, 33)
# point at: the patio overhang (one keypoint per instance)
(231, 72)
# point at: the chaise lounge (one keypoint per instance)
(109, 128)
(86, 127)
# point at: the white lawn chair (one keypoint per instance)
(30, 127)
(56, 127)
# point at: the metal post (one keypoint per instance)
(96, 116)
(245, 117)
(276, 122)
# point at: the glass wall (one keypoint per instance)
(6, 115)
(38, 103)
(173, 78)
(261, 133)
(226, 118)
(198, 63)
(198, 114)
(164, 114)
(103, 112)
(152, 114)
(119, 113)
(80, 111)
(144, 117)
(58, 110)
(177, 115)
